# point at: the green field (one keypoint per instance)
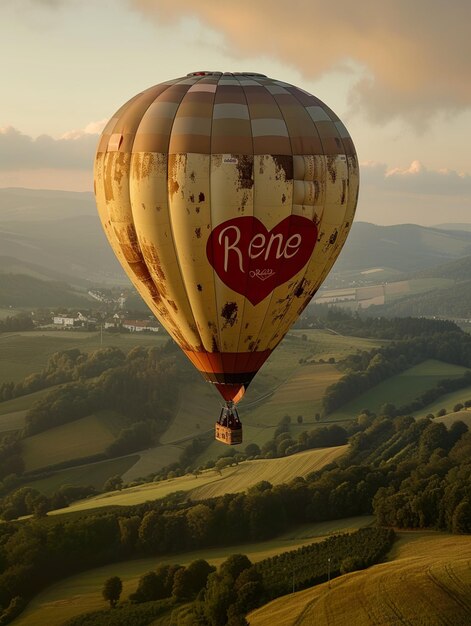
(22, 402)
(95, 474)
(324, 344)
(27, 352)
(301, 394)
(199, 406)
(447, 402)
(400, 389)
(210, 483)
(82, 593)
(12, 421)
(428, 582)
(153, 460)
(81, 438)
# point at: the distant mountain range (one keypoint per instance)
(57, 232)
(57, 235)
(403, 247)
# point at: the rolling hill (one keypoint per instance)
(428, 581)
(57, 231)
(403, 247)
(21, 290)
(443, 290)
(211, 484)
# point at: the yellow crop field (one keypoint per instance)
(210, 483)
(275, 471)
(458, 416)
(427, 583)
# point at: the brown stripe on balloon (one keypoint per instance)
(218, 361)
(229, 94)
(271, 145)
(231, 136)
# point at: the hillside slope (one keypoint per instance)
(403, 247)
(428, 582)
(210, 484)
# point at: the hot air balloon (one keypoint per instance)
(227, 198)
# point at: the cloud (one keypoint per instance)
(413, 194)
(416, 179)
(75, 150)
(414, 56)
(93, 128)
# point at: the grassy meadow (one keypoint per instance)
(402, 388)
(301, 394)
(95, 474)
(22, 403)
(82, 438)
(82, 592)
(25, 352)
(199, 406)
(426, 581)
(211, 483)
(447, 402)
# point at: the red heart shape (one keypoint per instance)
(252, 260)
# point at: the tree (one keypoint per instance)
(182, 588)
(234, 565)
(252, 450)
(223, 463)
(458, 407)
(299, 419)
(198, 571)
(200, 521)
(388, 409)
(461, 520)
(112, 590)
(114, 483)
(150, 587)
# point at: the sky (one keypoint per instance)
(397, 72)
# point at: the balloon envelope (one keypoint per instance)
(227, 198)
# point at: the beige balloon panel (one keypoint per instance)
(173, 220)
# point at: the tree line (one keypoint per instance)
(366, 369)
(345, 322)
(16, 323)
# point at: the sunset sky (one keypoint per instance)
(396, 72)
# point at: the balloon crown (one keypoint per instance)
(205, 73)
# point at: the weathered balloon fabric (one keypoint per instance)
(227, 198)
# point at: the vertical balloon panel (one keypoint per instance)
(191, 225)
